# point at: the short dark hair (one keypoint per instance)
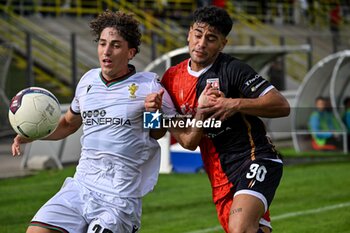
(126, 25)
(320, 98)
(215, 17)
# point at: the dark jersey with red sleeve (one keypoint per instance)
(240, 136)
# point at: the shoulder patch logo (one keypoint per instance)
(132, 90)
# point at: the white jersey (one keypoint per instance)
(118, 156)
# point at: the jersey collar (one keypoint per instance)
(109, 83)
(197, 73)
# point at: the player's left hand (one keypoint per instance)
(153, 101)
(208, 96)
(16, 145)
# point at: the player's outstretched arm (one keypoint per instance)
(67, 125)
(17, 141)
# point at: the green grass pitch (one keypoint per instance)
(311, 198)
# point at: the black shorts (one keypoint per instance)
(259, 177)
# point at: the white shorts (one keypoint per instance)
(76, 209)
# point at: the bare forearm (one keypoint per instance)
(63, 130)
(157, 133)
(189, 138)
(68, 125)
(259, 108)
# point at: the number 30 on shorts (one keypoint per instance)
(257, 171)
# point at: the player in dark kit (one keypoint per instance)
(242, 165)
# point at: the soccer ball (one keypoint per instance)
(34, 113)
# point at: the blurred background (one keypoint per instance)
(300, 46)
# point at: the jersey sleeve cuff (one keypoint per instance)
(75, 113)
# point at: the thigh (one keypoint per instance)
(107, 214)
(245, 213)
(253, 193)
(63, 212)
(223, 209)
(223, 206)
(37, 229)
(260, 178)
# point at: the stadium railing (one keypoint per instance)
(165, 34)
(46, 47)
(6, 52)
(152, 25)
(51, 56)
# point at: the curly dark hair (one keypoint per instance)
(124, 23)
(215, 17)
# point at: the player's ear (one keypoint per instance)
(131, 53)
(223, 44)
(189, 32)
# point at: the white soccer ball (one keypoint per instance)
(34, 113)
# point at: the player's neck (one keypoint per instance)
(120, 75)
(198, 67)
(196, 72)
(117, 76)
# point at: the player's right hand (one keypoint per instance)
(17, 141)
(208, 97)
(153, 101)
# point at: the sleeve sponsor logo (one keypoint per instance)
(250, 81)
(256, 87)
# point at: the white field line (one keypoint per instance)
(312, 211)
(284, 216)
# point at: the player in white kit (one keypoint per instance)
(119, 161)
